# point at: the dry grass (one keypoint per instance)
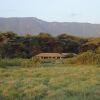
(50, 83)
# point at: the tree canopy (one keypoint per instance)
(12, 45)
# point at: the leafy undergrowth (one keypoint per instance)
(50, 83)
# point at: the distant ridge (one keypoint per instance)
(32, 25)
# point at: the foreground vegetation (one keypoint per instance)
(63, 82)
(76, 78)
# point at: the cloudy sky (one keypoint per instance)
(53, 10)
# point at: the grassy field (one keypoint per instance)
(50, 83)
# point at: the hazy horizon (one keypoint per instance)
(86, 11)
(52, 21)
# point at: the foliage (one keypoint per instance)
(15, 46)
(87, 58)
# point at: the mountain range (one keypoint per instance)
(32, 25)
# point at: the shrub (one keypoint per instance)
(87, 58)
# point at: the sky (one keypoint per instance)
(53, 10)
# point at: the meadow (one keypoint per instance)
(29, 81)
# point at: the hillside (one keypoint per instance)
(33, 25)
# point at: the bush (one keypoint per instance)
(87, 58)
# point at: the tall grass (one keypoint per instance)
(58, 83)
(30, 80)
(10, 62)
(18, 62)
(88, 58)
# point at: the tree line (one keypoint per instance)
(13, 45)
